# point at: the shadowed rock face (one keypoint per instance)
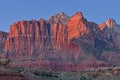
(3, 37)
(111, 31)
(63, 43)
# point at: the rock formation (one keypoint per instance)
(111, 32)
(29, 37)
(63, 43)
(3, 37)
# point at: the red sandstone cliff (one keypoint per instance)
(29, 37)
(63, 43)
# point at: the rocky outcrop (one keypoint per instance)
(60, 18)
(76, 26)
(3, 37)
(111, 31)
(80, 28)
(110, 23)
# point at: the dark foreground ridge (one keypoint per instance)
(41, 74)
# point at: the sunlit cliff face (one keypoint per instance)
(110, 23)
(76, 26)
(63, 43)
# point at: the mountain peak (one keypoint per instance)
(61, 18)
(110, 19)
(61, 13)
(78, 15)
(110, 23)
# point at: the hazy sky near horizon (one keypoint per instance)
(94, 10)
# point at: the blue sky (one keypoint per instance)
(94, 10)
